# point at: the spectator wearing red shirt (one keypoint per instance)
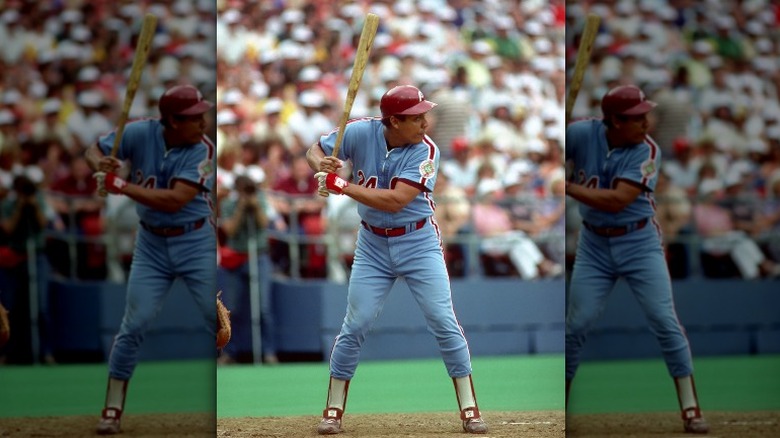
(296, 199)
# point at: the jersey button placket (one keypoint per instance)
(384, 180)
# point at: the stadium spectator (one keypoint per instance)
(245, 219)
(452, 214)
(720, 236)
(74, 199)
(461, 168)
(769, 217)
(467, 56)
(23, 219)
(493, 225)
(295, 199)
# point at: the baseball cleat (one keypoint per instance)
(331, 422)
(694, 422)
(472, 421)
(697, 425)
(109, 422)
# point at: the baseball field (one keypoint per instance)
(519, 396)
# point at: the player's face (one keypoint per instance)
(191, 128)
(633, 129)
(412, 128)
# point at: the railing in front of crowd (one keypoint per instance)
(114, 242)
(465, 245)
(70, 246)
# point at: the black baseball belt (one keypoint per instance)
(395, 232)
(173, 231)
(616, 231)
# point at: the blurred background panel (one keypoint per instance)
(713, 69)
(496, 71)
(66, 256)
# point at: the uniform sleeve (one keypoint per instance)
(132, 134)
(328, 142)
(198, 165)
(642, 165)
(421, 168)
(569, 144)
(106, 143)
(576, 133)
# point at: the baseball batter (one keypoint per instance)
(171, 176)
(615, 165)
(394, 171)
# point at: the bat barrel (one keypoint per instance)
(370, 27)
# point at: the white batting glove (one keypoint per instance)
(322, 188)
(331, 182)
(100, 177)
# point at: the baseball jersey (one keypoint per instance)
(374, 166)
(154, 166)
(598, 166)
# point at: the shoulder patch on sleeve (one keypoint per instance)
(427, 169)
(205, 168)
(648, 168)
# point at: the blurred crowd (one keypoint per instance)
(713, 67)
(495, 69)
(63, 72)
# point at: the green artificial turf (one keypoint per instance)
(171, 386)
(735, 383)
(740, 383)
(502, 383)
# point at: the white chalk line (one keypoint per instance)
(525, 423)
(749, 423)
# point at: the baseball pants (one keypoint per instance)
(638, 257)
(379, 261)
(157, 262)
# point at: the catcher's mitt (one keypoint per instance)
(223, 323)
(5, 326)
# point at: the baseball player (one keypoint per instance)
(171, 177)
(394, 171)
(615, 167)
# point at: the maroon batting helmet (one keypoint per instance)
(404, 100)
(183, 100)
(626, 100)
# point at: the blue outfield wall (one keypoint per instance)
(86, 317)
(499, 316)
(721, 317)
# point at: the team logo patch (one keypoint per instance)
(648, 169)
(205, 168)
(427, 169)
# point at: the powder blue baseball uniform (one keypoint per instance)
(159, 260)
(637, 256)
(416, 256)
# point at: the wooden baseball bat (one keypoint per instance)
(361, 59)
(142, 48)
(583, 59)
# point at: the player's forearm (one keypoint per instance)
(608, 200)
(388, 200)
(165, 200)
(314, 156)
(93, 155)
